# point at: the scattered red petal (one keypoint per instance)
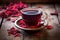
(23, 25)
(8, 19)
(3, 15)
(49, 27)
(9, 9)
(21, 21)
(17, 35)
(14, 32)
(9, 33)
(12, 29)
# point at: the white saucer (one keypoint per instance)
(17, 26)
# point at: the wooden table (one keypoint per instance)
(52, 34)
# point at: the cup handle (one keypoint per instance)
(44, 16)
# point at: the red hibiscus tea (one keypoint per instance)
(31, 16)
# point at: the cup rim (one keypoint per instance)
(29, 8)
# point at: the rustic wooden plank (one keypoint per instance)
(49, 9)
(59, 17)
(58, 10)
(4, 34)
(57, 7)
(46, 7)
(43, 35)
(8, 25)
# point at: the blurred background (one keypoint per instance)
(29, 1)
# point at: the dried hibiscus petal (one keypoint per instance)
(21, 4)
(8, 13)
(9, 33)
(14, 32)
(8, 19)
(17, 35)
(12, 29)
(23, 25)
(21, 21)
(3, 15)
(49, 27)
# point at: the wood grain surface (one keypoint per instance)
(52, 34)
